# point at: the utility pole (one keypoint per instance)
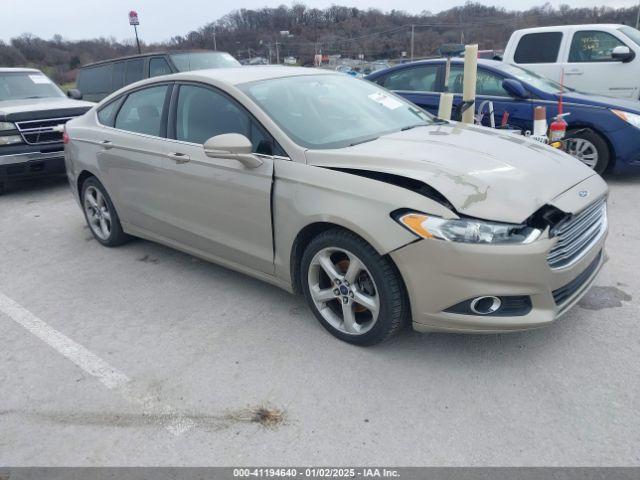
(215, 45)
(277, 53)
(638, 17)
(412, 39)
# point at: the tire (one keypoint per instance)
(590, 148)
(101, 215)
(371, 295)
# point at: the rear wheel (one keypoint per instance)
(101, 215)
(588, 147)
(356, 294)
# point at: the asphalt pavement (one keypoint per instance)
(142, 355)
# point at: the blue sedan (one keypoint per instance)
(605, 131)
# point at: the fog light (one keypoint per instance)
(502, 306)
(485, 305)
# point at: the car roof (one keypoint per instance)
(149, 54)
(10, 70)
(246, 74)
(457, 60)
(556, 28)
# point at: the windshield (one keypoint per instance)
(20, 85)
(186, 62)
(534, 79)
(333, 111)
(632, 33)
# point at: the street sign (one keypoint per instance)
(133, 18)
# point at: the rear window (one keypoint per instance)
(186, 62)
(540, 47)
(95, 80)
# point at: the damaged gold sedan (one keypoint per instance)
(319, 183)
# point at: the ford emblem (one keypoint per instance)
(583, 193)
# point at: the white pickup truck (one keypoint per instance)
(603, 59)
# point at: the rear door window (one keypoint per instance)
(415, 79)
(107, 114)
(96, 80)
(142, 111)
(487, 83)
(134, 70)
(593, 46)
(542, 47)
(158, 66)
(118, 76)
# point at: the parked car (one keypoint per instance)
(606, 131)
(600, 58)
(324, 184)
(97, 80)
(32, 112)
(348, 70)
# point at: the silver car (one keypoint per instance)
(319, 183)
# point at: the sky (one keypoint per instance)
(162, 19)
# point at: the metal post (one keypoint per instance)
(215, 45)
(412, 38)
(277, 54)
(135, 28)
(638, 17)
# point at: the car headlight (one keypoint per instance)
(631, 118)
(7, 126)
(10, 139)
(467, 230)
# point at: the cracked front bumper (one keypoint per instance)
(440, 274)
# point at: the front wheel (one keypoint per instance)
(588, 147)
(355, 293)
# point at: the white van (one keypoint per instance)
(600, 58)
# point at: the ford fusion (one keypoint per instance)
(326, 185)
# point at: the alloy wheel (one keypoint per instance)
(343, 291)
(97, 211)
(584, 150)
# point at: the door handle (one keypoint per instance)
(573, 72)
(179, 157)
(106, 144)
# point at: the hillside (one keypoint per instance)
(334, 30)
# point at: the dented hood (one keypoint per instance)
(484, 173)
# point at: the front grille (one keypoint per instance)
(578, 235)
(37, 132)
(564, 293)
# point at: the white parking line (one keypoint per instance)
(109, 376)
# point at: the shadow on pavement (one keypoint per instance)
(34, 185)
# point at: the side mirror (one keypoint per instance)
(515, 88)
(232, 145)
(622, 53)
(75, 94)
